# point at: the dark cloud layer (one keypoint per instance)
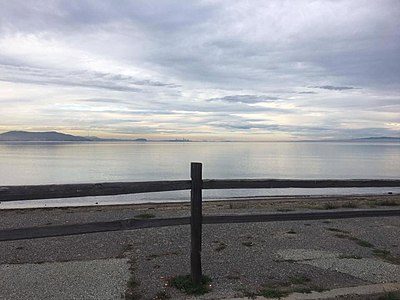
(334, 88)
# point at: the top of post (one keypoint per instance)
(196, 169)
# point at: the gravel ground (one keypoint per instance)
(244, 258)
(241, 259)
(95, 279)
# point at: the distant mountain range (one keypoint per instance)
(53, 136)
(16, 136)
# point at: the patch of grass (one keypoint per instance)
(303, 290)
(341, 236)
(234, 277)
(131, 292)
(363, 243)
(387, 256)
(291, 231)
(380, 252)
(162, 295)
(273, 293)
(145, 216)
(350, 205)
(154, 256)
(132, 283)
(249, 295)
(186, 285)
(284, 260)
(318, 289)
(336, 230)
(299, 279)
(284, 209)
(329, 206)
(344, 256)
(248, 244)
(389, 296)
(220, 247)
(358, 241)
(387, 203)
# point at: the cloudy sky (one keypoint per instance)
(203, 70)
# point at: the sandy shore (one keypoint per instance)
(17, 218)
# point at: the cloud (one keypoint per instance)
(334, 88)
(180, 65)
(249, 99)
(83, 78)
(273, 127)
(310, 93)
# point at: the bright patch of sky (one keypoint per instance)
(203, 70)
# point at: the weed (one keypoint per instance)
(343, 256)
(284, 209)
(273, 293)
(387, 256)
(381, 253)
(389, 296)
(284, 260)
(145, 216)
(154, 256)
(300, 279)
(185, 284)
(235, 277)
(329, 206)
(350, 205)
(387, 203)
(318, 289)
(363, 243)
(132, 283)
(162, 296)
(303, 290)
(220, 247)
(336, 230)
(131, 292)
(248, 244)
(249, 295)
(359, 242)
(341, 236)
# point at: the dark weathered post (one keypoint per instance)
(196, 221)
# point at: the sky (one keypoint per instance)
(201, 70)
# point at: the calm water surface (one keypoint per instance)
(46, 163)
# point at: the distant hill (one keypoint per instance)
(52, 136)
(379, 139)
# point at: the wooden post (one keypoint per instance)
(196, 222)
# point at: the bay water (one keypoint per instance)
(29, 163)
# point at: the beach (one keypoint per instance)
(241, 259)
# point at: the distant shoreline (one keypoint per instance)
(54, 136)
